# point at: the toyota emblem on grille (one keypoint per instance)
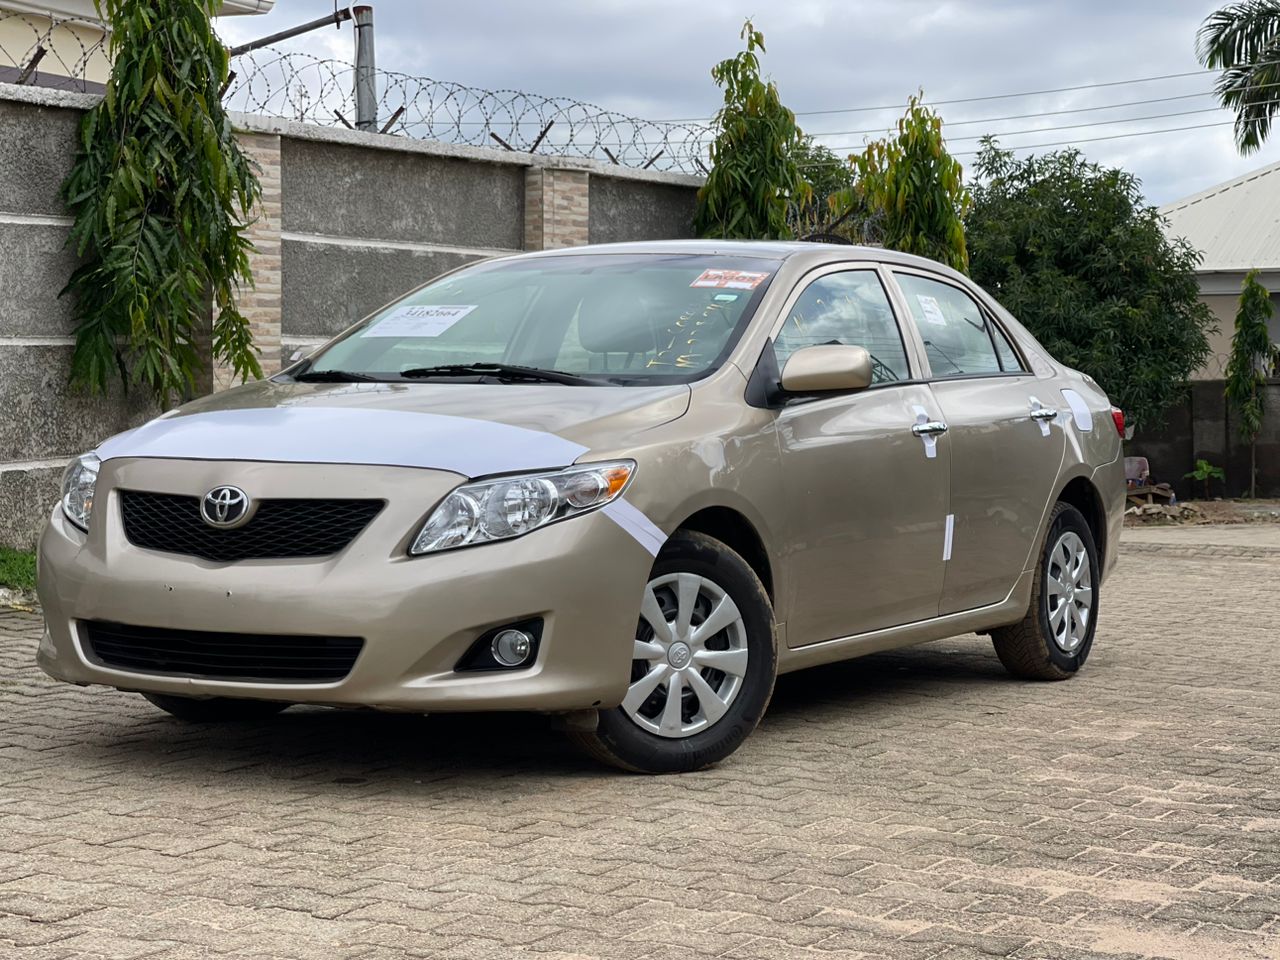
(225, 507)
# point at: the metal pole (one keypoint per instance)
(366, 71)
(333, 19)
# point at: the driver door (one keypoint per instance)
(866, 496)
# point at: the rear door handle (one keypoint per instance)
(929, 428)
(1043, 413)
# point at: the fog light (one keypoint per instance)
(511, 647)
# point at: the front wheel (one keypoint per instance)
(703, 664)
(1053, 640)
(214, 709)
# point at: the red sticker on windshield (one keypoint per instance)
(730, 279)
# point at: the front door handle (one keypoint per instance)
(1043, 413)
(930, 428)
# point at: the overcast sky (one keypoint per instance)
(652, 59)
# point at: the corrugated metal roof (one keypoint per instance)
(1236, 224)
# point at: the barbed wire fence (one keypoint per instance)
(48, 51)
(51, 51)
(299, 86)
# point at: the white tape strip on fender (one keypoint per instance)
(648, 534)
(1079, 410)
(948, 537)
(393, 438)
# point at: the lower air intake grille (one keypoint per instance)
(280, 529)
(265, 658)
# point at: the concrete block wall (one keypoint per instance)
(42, 423)
(348, 221)
(362, 226)
(1202, 427)
(622, 208)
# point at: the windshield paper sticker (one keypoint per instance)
(730, 279)
(429, 320)
(932, 312)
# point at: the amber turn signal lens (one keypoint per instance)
(617, 478)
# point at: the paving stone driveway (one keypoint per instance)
(913, 805)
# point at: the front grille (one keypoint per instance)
(222, 656)
(280, 529)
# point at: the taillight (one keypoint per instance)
(1117, 416)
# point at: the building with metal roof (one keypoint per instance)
(1236, 226)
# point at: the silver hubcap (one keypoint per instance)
(690, 656)
(1069, 592)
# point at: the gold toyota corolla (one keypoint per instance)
(628, 484)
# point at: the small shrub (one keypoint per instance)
(1204, 472)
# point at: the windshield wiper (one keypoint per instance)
(505, 371)
(333, 376)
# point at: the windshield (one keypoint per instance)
(623, 319)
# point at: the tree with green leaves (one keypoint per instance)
(828, 175)
(1252, 356)
(158, 191)
(1074, 251)
(755, 176)
(913, 189)
(1243, 41)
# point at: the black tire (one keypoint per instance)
(1027, 648)
(215, 709)
(621, 742)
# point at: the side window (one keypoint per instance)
(849, 308)
(956, 334)
(1004, 349)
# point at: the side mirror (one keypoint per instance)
(826, 368)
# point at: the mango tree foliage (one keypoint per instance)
(1075, 252)
(827, 175)
(1252, 357)
(912, 189)
(755, 176)
(157, 191)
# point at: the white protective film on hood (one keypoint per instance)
(394, 438)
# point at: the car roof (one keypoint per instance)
(812, 253)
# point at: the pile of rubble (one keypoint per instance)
(1173, 510)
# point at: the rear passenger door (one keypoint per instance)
(1006, 441)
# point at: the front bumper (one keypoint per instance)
(417, 615)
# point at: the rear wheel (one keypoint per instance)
(1053, 640)
(215, 709)
(703, 663)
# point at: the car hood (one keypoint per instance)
(471, 429)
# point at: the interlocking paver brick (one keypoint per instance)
(918, 805)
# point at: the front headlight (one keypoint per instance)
(512, 506)
(78, 485)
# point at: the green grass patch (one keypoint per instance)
(17, 569)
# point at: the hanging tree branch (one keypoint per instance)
(159, 191)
